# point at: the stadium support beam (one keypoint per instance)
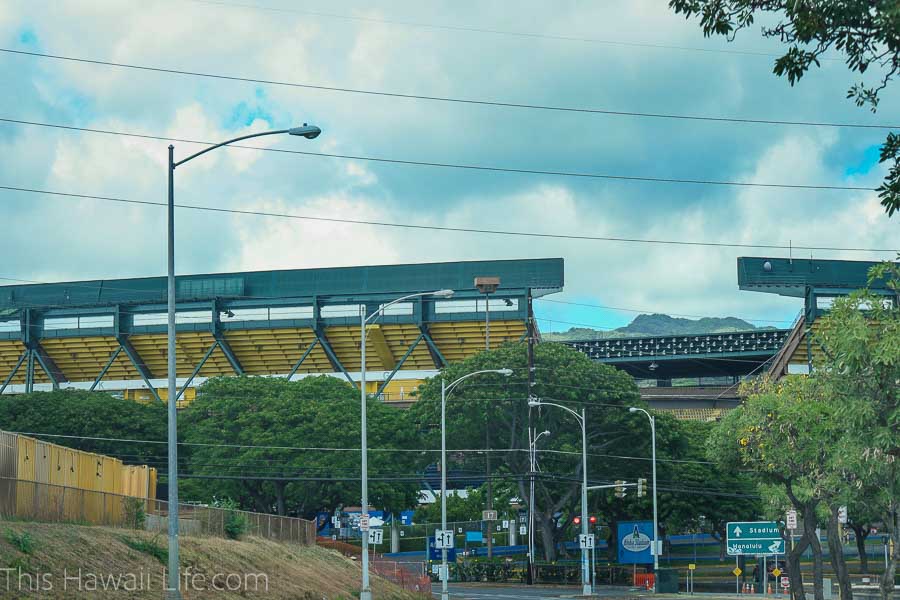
(302, 358)
(196, 370)
(220, 338)
(139, 365)
(382, 349)
(12, 373)
(439, 361)
(109, 363)
(400, 364)
(48, 365)
(332, 357)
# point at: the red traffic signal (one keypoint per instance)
(577, 520)
(592, 520)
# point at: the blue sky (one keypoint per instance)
(347, 44)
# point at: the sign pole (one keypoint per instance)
(737, 577)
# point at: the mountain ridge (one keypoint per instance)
(655, 325)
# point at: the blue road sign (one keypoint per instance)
(754, 537)
(635, 539)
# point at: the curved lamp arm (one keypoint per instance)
(449, 388)
(307, 131)
(438, 293)
(538, 404)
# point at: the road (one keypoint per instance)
(513, 592)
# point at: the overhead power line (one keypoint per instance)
(444, 165)
(446, 99)
(502, 32)
(440, 228)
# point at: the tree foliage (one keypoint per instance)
(93, 415)
(865, 32)
(251, 429)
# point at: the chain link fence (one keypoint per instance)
(60, 504)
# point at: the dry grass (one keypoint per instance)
(293, 572)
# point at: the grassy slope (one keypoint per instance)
(294, 572)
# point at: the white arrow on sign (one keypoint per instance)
(738, 531)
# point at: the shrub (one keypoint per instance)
(135, 513)
(22, 541)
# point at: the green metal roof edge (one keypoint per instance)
(545, 275)
(791, 277)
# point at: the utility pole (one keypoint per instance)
(529, 325)
(487, 286)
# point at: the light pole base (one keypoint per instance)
(365, 595)
(445, 595)
(586, 590)
(173, 595)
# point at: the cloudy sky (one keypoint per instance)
(620, 55)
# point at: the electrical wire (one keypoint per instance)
(472, 167)
(444, 99)
(445, 229)
(321, 449)
(501, 32)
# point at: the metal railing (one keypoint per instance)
(59, 504)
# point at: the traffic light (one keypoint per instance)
(641, 487)
(576, 520)
(620, 488)
(592, 520)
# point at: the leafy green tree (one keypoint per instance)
(705, 496)
(784, 433)
(865, 32)
(95, 421)
(293, 447)
(498, 406)
(860, 337)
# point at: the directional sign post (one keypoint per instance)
(760, 538)
(443, 538)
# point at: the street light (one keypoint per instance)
(446, 390)
(635, 409)
(366, 592)
(532, 446)
(172, 588)
(585, 577)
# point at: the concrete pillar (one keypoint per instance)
(395, 533)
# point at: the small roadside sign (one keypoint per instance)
(692, 567)
(754, 537)
(737, 571)
(523, 530)
(489, 515)
(506, 524)
(785, 582)
(791, 520)
(776, 572)
(376, 536)
(364, 522)
(443, 538)
(586, 541)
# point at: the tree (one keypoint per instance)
(784, 433)
(707, 496)
(860, 338)
(92, 421)
(293, 447)
(498, 405)
(865, 32)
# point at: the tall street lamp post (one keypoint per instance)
(172, 588)
(585, 575)
(366, 592)
(635, 409)
(446, 390)
(533, 456)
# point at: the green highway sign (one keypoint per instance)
(754, 537)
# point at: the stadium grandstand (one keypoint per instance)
(111, 335)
